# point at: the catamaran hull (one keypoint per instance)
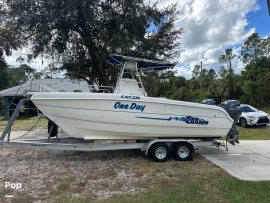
(114, 116)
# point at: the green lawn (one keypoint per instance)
(216, 187)
(25, 124)
(254, 133)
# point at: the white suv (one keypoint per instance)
(252, 116)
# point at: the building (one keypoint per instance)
(10, 97)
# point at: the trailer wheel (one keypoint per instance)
(183, 151)
(159, 152)
(52, 128)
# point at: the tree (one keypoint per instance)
(256, 54)
(8, 41)
(256, 83)
(214, 92)
(254, 48)
(204, 78)
(211, 76)
(196, 71)
(227, 81)
(228, 86)
(51, 71)
(27, 72)
(17, 75)
(81, 33)
(3, 73)
(226, 59)
(14, 76)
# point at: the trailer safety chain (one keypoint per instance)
(29, 129)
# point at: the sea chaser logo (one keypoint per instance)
(133, 106)
(191, 120)
(186, 119)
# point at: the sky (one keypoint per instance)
(210, 27)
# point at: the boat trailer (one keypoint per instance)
(158, 149)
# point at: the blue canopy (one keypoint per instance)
(142, 64)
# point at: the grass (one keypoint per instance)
(200, 181)
(204, 189)
(254, 133)
(194, 181)
(25, 124)
(197, 181)
(5, 192)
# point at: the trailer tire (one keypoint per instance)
(183, 151)
(52, 128)
(159, 152)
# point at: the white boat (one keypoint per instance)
(128, 113)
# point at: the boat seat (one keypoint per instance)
(129, 86)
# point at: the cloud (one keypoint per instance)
(210, 27)
(39, 63)
(183, 71)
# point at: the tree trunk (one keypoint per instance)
(97, 60)
(101, 70)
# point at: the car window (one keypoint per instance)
(247, 109)
(253, 108)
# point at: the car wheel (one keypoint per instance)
(243, 122)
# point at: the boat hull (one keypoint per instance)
(114, 116)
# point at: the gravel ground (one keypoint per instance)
(46, 175)
(99, 174)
